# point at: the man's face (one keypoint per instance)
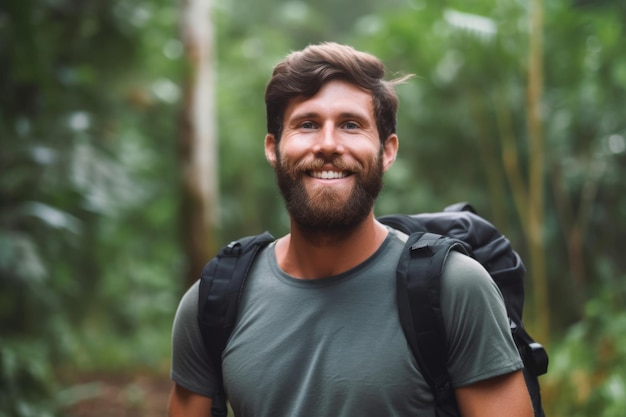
(329, 162)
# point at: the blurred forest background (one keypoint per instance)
(131, 147)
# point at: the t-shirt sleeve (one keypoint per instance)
(191, 367)
(480, 345)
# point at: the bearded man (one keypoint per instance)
(317, 331)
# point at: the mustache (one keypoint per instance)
(337, 161)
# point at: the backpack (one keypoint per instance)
(431, 238)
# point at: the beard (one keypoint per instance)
(327, 210)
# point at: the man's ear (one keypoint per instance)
(270, 149)
(390, 151)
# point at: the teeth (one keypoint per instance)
(329, 175)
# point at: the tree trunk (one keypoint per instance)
(199, 166)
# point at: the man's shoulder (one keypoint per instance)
(188, 305)
(397, 236)
(461, 270)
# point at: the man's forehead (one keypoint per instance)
(337, 94)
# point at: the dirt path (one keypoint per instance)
(106, 395)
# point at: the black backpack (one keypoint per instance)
(431, 238)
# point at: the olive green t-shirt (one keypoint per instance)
(334, 347)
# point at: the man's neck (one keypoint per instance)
(309, 254)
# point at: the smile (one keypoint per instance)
(328, 175)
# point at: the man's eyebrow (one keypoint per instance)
(352, 115)
(304, 115)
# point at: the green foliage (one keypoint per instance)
(25, 379)
(588, 367)
(88, 240)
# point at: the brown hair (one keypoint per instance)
(304, 72)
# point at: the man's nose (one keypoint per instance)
(329, 141)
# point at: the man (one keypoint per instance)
(318, 331)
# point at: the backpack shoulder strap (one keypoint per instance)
(221, 284)
(419, 306)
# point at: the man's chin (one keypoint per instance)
(331, 216)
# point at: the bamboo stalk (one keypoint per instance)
(535, 208)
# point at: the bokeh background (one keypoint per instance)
(131, 148)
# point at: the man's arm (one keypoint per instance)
(502, 396)
(185, 403)
(191, 366)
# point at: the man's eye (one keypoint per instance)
(351, 125)
(307, 125)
